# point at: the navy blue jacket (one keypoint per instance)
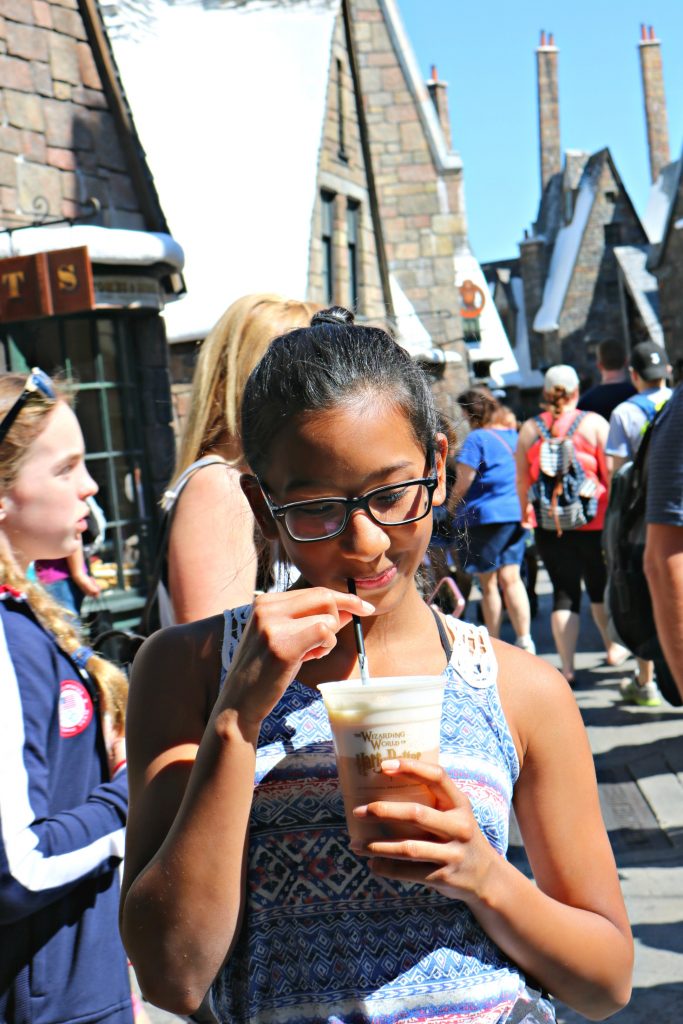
(61, 837)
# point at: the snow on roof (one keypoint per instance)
(444, 159)
(660, 197)
(642, 286)
(412, 335)
(527, 377)
(565, 252)
(494, 345)
(116, 246)
(229, 100)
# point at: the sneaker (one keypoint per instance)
(526, 643)
(647, 695)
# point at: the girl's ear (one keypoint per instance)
(259, 507)
(440, 453)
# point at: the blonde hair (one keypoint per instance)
(111, 683)
(226, 358)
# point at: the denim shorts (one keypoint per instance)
(486, 548)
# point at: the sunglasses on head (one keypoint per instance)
(37, 381)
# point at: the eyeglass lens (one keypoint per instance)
(390, 507)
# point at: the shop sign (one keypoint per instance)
(46, 284)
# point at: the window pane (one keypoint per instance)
(117, 419)
(89, 417)
(79, 350)
(106, 340)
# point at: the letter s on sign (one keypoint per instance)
(67, 277)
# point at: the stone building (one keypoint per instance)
(320, 162)
(87, 264)
(580, 276)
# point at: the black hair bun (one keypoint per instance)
(334, 315)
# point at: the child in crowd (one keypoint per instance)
(63, 793)
(238, 869)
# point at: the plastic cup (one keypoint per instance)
(389, 718)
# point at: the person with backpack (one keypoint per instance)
(628, 422)
(663, 561)
(563, 484)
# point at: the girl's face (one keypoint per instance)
(43, 514)
(346, 452)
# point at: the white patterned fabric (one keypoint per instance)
(323, 940)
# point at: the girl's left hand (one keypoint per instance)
(454, 857)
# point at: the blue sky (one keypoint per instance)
(485, 51)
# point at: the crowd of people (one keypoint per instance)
(301, 511)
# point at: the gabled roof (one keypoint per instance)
(228, 98)
(642, 287)
(566, 249)
(569, 237)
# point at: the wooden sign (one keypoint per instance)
(46, 284)
(24, 288)
(71, 280)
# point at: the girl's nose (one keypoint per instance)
(364, 537)
(89, 487)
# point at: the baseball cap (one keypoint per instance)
(649, 360)
(561, 376)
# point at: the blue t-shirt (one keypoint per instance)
(492, 497)
(665, 469)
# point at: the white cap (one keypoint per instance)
(561, 376)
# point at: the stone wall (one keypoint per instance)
(58, 142)
(669, 273)
(422, 208)
(591, 310)
(342, 174)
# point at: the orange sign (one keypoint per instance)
(46, 284)
(472, 300)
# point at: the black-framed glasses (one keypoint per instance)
(325, 518)
(37, 380)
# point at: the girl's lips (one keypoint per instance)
(382, 579)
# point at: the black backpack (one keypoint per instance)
(627, 597)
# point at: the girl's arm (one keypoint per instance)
(211, 551)
(191, 776)
(568, 930)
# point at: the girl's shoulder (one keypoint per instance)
(179, 666)
(533, 694)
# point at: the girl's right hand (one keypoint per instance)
(283, 631)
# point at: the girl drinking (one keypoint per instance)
(63, 794)
(238, 870)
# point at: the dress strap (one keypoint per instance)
(443, 635)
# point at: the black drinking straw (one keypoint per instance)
(360, 642)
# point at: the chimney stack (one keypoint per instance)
(438, 91)
(548, 109)
(655, 103)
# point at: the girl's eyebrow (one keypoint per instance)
(333, 486)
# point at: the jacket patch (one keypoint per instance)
(75, 708)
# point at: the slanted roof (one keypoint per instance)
(412, 334)
(642, 287)
(228, 98)
(659, 201)
(527, 376)
(494, 346)
(566, 249)
(664, 198)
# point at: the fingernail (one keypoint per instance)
(359, 812)
(390, 765)
(367, 607)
